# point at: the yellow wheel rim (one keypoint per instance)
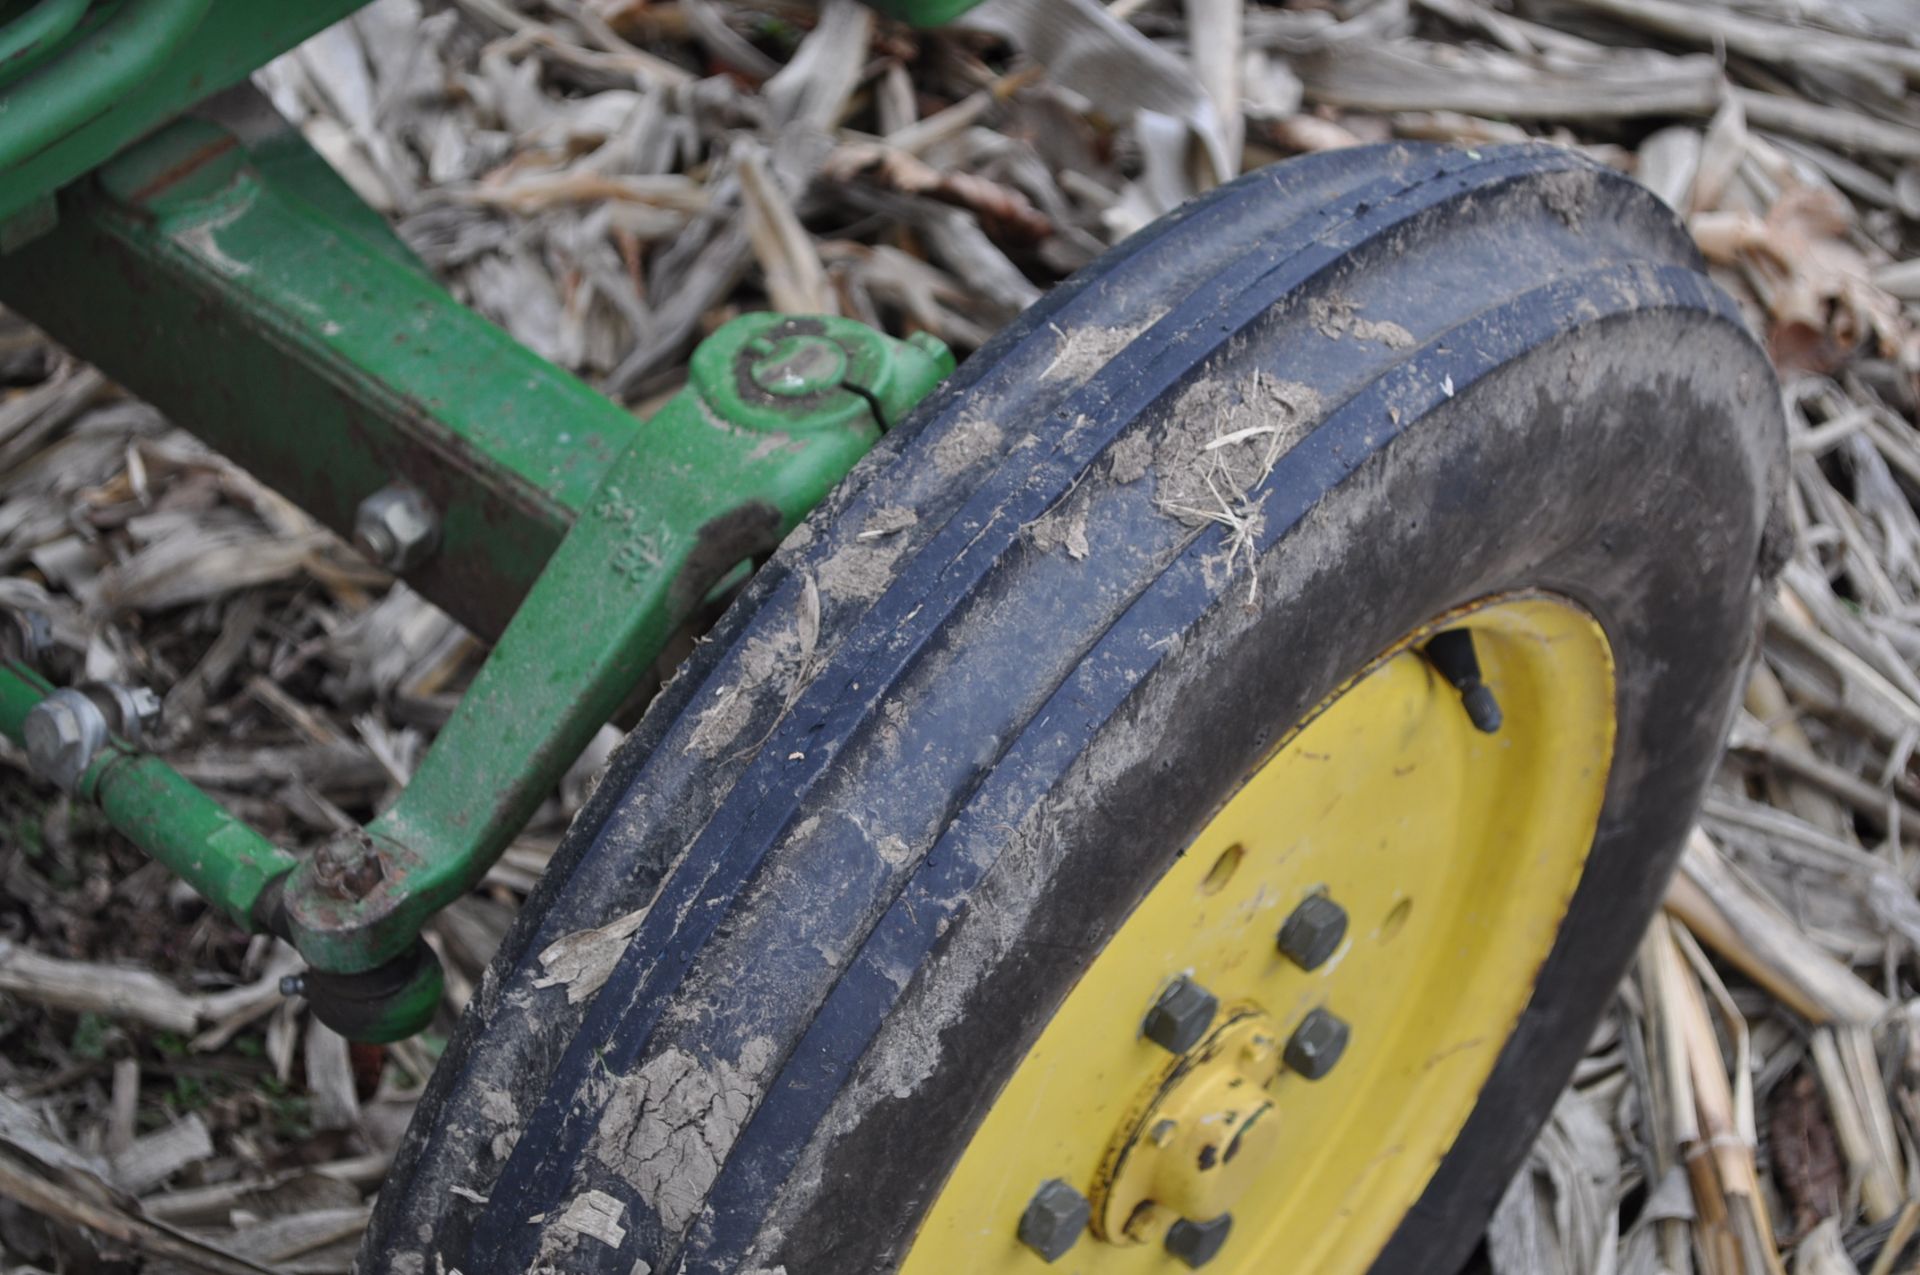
(1453, 855)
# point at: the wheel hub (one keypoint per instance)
(1206, 1133)
(1266, 1062)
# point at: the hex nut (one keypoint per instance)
(25, 635)
(397, 527)
(1197, 1243)
(64, 733)
(796, 365)
(1316, 1044)
(146, 710)
(1054, 1219)
(349, 866)
(1312, 932)
(1181, 1016)
(131, 712)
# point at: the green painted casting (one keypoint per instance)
(164, 814)
(386, 1004)
(36, 33)
(724, 471)
(105, 62)
(286, 162)
(126, 67)
(307, 345)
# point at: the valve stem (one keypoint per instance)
(1451, 654)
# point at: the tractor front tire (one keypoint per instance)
(1076, 845)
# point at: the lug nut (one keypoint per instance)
(1054, 1219)
(64, 733)
(396, 527)
(1197, 1243)
(1316, 1044)
(1312, 932)
(1181, 1016)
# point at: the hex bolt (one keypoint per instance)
(292, 985)
(1181, 1016)
(26, 636)
(1197, 1243)
(1312, 932)
(397, 527)
(64, 733)
(1054, 1219)
(348, 866)
(1316, 1044)
(797, 365)
(1452, 655)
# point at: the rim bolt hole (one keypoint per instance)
(1396, 920)
(1223, 869)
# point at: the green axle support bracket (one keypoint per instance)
(256, 308)
(779, 409)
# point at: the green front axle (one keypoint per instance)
(253, 299)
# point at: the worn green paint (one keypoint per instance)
(163, 813)
(287, 162)
(124, 68)
(720, 475)
(310, 348)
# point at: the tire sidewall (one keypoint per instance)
(1537, 479)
